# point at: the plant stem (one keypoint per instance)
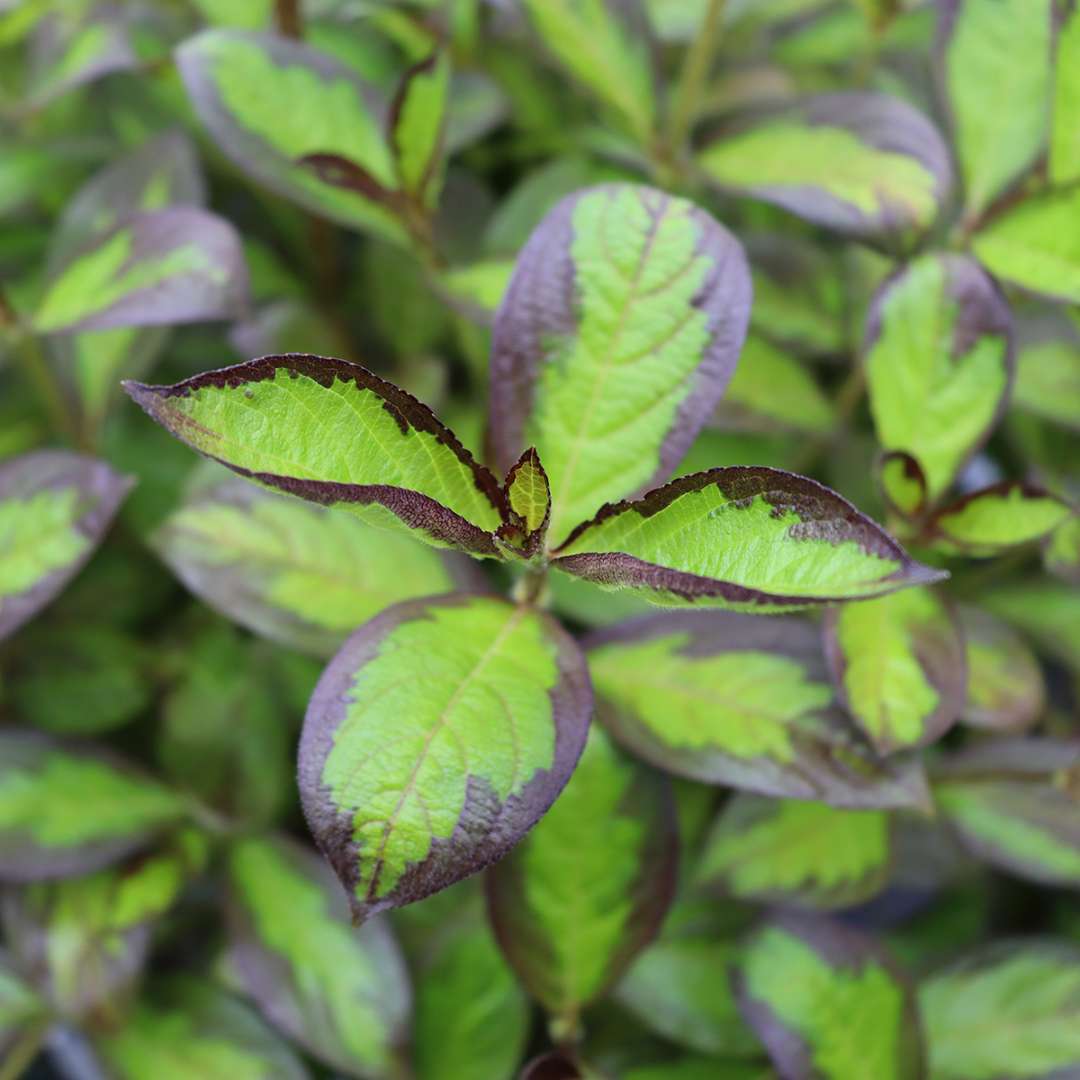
(695, 71)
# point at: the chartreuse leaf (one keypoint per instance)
(1006, 690)
(1048, 381)
(268, 102)
(1061, 552)
(620, 329)
(1065, 127)
(299, 574)
(739, 701)
(605, 46)
(412, 784)
(186, 1028)
(333, 433)
(528, 499)
(993, 520)
(572, 909)
(803, 853)
(169, 266)
(827, 1003)
(66, 812)
(742, 537)
(898, 664)
(1009, 1009)
(20, 1008)
(1013, 802)
(54, 509)
(417, 122)
(903, 483)
(938, 355)
(864, 164)
(996, 58)
(341, 992)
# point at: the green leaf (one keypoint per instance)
(417, 123)
(745, 702)
(800, 311)
(1065, 128)
(341, 992)
(572, 909)
(528, 500)
(802, 853)
(996, 76)
(268, 102)
(1049, 613)
(1010, 1009)
(1048, 381)
(863, 164)
(333, 433)
(1006, 690)
(1036, 245)
(65, 812)
(938, 355)
(1013, 803)
(412, 784)
(1061, 551)
(826, 1002)
(902, 483)
(608, 357)
(605, 45)
(298, 574)
(54, 509)
(168, 266)
(187, 1028)
(742, 537)
(898, 665)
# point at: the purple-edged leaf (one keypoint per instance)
(1014, 804)
(269, 102)
(938, 351)
(828, 1003)
(167, 266)
(528, 502)
(54, 509)
(903, 483)
(741, 537)
(69, 810)
(863, 164)
(620, 330)
(898, 664)
(417, 126)
(741, 701)
(333, 433)
(571, 907)
(410, 784)
(341, 992)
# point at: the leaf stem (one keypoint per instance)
(695, 71)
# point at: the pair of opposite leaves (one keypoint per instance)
(445, 728)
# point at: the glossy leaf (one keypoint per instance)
(528, 500)
(827, 1003)
(333, 433)
(268, 102)
(71, 811)
(54, 509)
(1048, 381)
(417, 121)
(805, 854)
(301, 575)
(742, 537)
(898, 665)
(571, 909)
(995, 60)
(609, 356)
(938, 356)
(745, 702)
(341, 992)
(1065, 127)
(863, 164)
(410, 785)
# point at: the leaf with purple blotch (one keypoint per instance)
(528, 502)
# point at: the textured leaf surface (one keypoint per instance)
(54, 510)
(863, 164)
(740, 537)
(1010, 1009)
(1065, 129)
(996, 77)
(342, 993)
(620, 329)
(169, 266)
(995, 519)
(572, 908)
(826, 1003)
(412, 784)
(898, 663)
(298, 574)
(333, 433)
(68, 812)
(742, 701)
(528, 500)
(938, 355)
(803, 853)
